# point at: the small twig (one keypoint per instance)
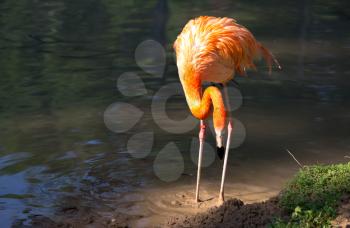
(301, 166)
(347, 156)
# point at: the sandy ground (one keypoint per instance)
(343, 218)
(245, 206)
(233, 213)
(151, 207)
(179, 202)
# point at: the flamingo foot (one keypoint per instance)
(221, 200)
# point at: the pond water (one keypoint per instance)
(59, 67)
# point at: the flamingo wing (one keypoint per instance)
(218, 47)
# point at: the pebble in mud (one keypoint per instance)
(176, 203)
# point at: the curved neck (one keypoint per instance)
(200, 105)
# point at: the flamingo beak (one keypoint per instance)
(220, 150)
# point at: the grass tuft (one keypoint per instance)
(311, 197)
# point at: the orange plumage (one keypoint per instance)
(212, 49)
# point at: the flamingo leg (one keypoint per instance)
(200, 156)
(229, 131)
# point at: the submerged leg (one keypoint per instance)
(200, 155)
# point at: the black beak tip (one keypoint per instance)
(221, 152)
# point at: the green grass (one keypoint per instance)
(311, 197)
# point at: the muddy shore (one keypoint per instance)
(233, 213)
